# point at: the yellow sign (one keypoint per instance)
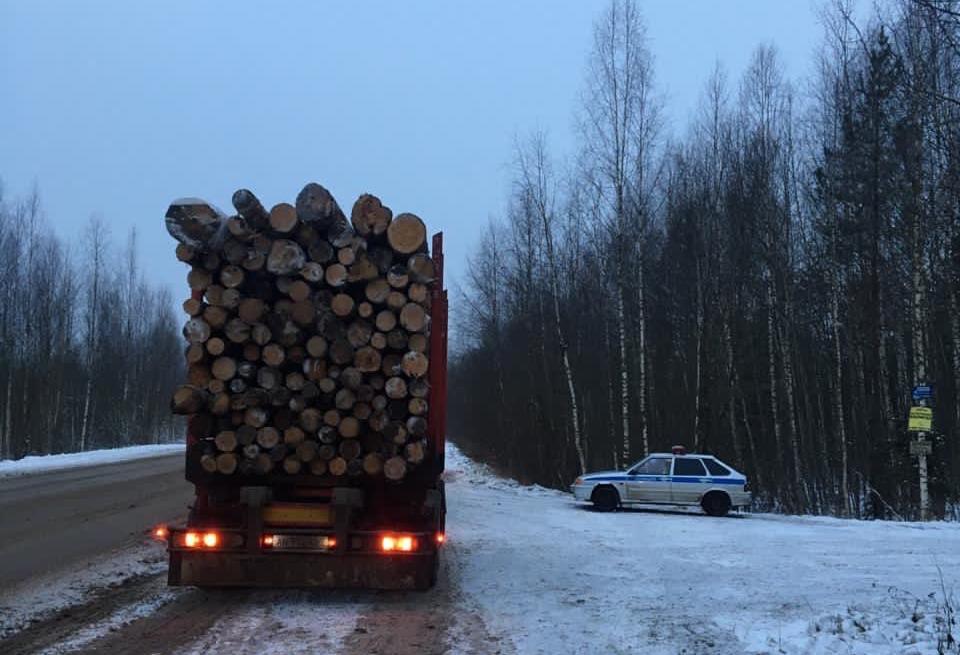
(921, 419)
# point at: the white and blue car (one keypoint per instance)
(667, 479)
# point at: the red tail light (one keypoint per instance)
(160, 533)
(193, 539)
(398, 543)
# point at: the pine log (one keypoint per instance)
(231, 276)
(415, 452)
(338, 466)
(346, 255)
(196, 330)
(193, 306)
(418, 293)
(407, 234)
(418, 343)
(251, 310)
(226, 440)
(312, 272)
(378, 421)
(326, 385)
(417, 426)
(310, 420)
(261, 334)
(351, 377)
(234, 251)
(341, 352)
(230, 298)
(349, 428)
(237, 385)
(263, 464)
(268, 437)
(396, 432)
(299, 291)
(378, 340)
(398, 339)
(316, 346)
(369, 216)
(362, 411)
(391, 365)
(415, 364)
(386, 320)
(315, 369)
(379, 402)
(307, 451)
(377, 291)
(208, 462)
(367, 359)
(215, 346)
(237, 331)
(239, 229)
(359, 333)
(421, 268)
(251, 450)
(285, 258)
(318, 466)
(320, 251)
(186, 253)
(224, 368)
(250, 208)
(210, 260)
(194, 222)
(213, 294)
(373, 464)
(215, 317)
(273, 354)
(417, 406)
(336, 275)
(350, 449)
(303, 313)
(362, 270)
(283, 218)
(365, 309)
(195, 353)
(256, 417)
(188, 399)
(317, 206)
(396, 388)
(396, 300)
(292, 465)
(345, 399)
(419, 388)
(246, 435)
(395, 468)
(397, 277)
(254, 261)
(215, 386)
(342, 305)
(413, 318)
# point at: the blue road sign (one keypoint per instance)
(922, 392)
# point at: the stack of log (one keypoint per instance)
(308, 335)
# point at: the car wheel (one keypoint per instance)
(605, 499)
(716, 503)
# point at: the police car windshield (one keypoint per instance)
(652, 466)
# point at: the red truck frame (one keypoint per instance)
(317, 531)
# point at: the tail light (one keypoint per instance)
(209, 540)
(441, 538)
(398, 543)
(160, 533)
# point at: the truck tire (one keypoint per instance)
(716, 503)
(605, 499)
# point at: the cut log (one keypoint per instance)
(224, 368)
(396, 300)
(230, 298)
(195, 353)
(326, 385)
(256, 417)
(367, 359)
(359, 333)
(338, 466)
(346, 255)
(407, 234)
(263, 465)
(186, 253)
(415, 364)
(417, 406)
(382, 258)
(246, 435)
(237, 385)
(396, 432)
(215, 346)
(273, 354)
(214, 295)
(413, 318)
(377, 291)
(261, 334)
(336, 275)
(226, 463)
(312, 272)
(349, 428)
(391, 365)
(365, 309)
(316, 346)
(196, 330)
(418, 293)
(345, 399)
(369, 216)
(250, 310)
(362, 270)
(194, 222)
(285, 258)
(215, 317)
(378, 340)
(398, 339)
(254, 261)
(396, 388)
(310, 420)
(307, 451)
(378, 421)
(295, 381)
(386, 320)
(317, 206)
(251, 450)
(418, 388)
(226, 440)
(299, 291)
(418, 343)
(237, 331)
(351, 377)
(331, 418)
(395, 468)
(283, 218)
(293, 435)
(350, 449)
(421, 268)
(318, 466)
(303, 313)
(250, 208)
(362, 411)
(235, 252)
(188, 399)
(231, 276)
(397, 277)
(415, 452)
(320, 251)
(268, 437)
(417, 426)
(239, 229)
(342, 305)
(193, 306)
(373, 464)
(341, 352)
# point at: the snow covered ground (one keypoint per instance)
(558, 578)
(528, 571)
(43, 463)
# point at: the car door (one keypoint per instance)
(649, 481)
(689, 480)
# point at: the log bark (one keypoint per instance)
(369, 216)
(196, 330)
(194, 222)
(398, 277)
(285, 257)
(317, 206)
(188, 399)
(250, 208)
(421, 269)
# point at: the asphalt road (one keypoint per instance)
(53, 520)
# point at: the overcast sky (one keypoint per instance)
(119, 107)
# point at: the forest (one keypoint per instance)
(90, 350)
(768, 286)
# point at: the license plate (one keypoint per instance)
(300, 542)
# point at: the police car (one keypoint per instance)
(674, 478)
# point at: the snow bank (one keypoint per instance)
(43, 463)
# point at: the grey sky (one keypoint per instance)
(118, 107)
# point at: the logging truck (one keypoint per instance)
(315, 396)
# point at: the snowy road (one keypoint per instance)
(527, 571)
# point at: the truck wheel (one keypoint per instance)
(716, 503)
(605, 499)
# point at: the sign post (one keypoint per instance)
(921, 422)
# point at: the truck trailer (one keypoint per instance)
(304, 530)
